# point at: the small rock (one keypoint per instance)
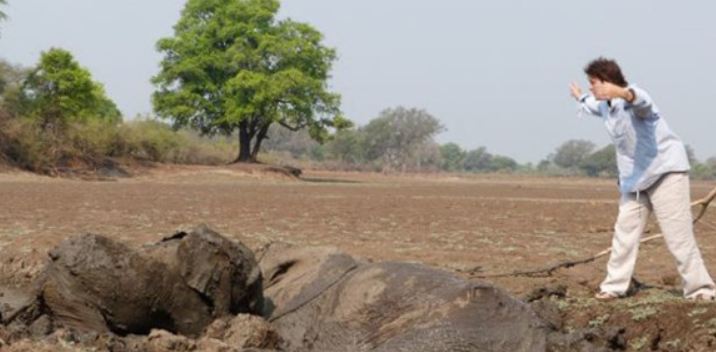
(41, 327)
(217, 328)
(246, 331)
(163, 341)
(214, 345)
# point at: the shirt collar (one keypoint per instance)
(615, 103)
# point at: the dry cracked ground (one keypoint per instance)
(470, 225)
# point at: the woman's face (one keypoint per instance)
(594, 83)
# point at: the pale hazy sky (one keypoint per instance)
(494, 72)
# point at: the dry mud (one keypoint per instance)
(478, 225)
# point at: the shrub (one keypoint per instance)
(25, 143)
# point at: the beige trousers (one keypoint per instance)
(670, 200)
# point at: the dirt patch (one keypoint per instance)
(4, 165)
(482, 224)
(652, 319)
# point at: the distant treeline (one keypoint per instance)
(402, 139)
(54, 116)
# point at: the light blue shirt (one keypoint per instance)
(645, 145)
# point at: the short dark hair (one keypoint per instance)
(606, 70)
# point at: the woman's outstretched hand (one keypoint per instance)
(575, 90)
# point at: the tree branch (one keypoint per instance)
(253, 126)
(263, 131)
(291, 128)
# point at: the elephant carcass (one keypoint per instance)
(323, 300)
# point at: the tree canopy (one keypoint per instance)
(477, 160)
(397, 133)
(231, 65)
(571, 153)
(453, 157)
(59, 90)
(603, 162)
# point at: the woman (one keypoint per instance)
(653, 177)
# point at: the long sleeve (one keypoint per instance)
(588, 104)
(643, 104)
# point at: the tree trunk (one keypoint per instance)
(259, 138)
(244, 144)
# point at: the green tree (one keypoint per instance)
(427, 157)
(545, 164)
(603, 162)
(571, 153)
(502, 163)
(231, 65)
(477, 160)
(11, 78)
(395, 135)
(347, 146)
(58, 91)
(452, 156)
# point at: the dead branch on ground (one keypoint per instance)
(703, 203)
